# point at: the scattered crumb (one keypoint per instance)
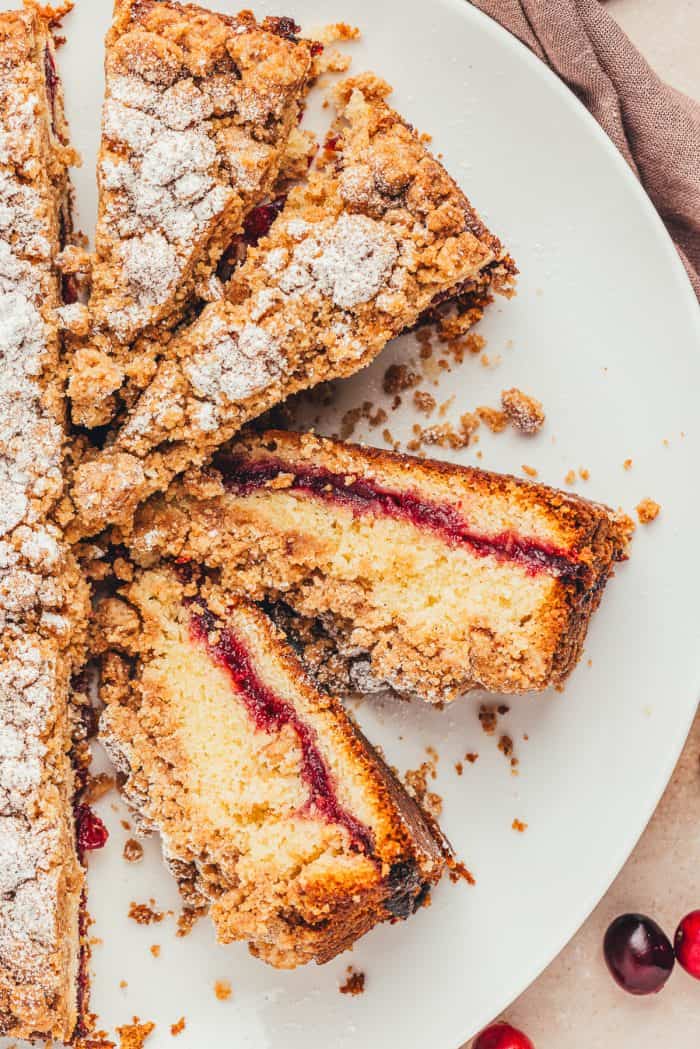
(570, 477)
(519, 826)
(647, 511)
(530, 471)
(583, 473)
(125, 824)
(145, 913)
(458, 872)
(491, 417)
(399, 377)
(471, 757)
(177, 1028)
(123, 984)
(187, 919)
(505, 745)
(488, 719)
(97, 786)
(627, 465)
(416, 781)
(444, 435)
(155, 950)
(424, 402)
(222, 990)
(459, 768)
(132, 851)
(525, 412)
(503, 708)
(134, 1035)
(354, 983)
(335, 32)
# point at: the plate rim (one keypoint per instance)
(514, 988)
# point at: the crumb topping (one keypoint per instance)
(647, 511)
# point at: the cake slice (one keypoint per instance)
(274, 811)
(43, 600)
(358, 253)
(429, 577)
(198, 113)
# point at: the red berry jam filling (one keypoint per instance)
(270, 713)
(258, 222)
(362, 496)
(51, 80)
(90, 830)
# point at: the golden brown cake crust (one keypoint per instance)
(198, 112)
(43, 599)
(302, 309)
(411, 605)
(343, 877)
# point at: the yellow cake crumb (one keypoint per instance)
(647, 511)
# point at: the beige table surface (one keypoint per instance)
(575, 1004)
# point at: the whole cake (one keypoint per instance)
(198, 114)
(43, 600)
(430, 577)
(274, 811)
(377, 234)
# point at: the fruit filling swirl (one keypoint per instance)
(243, 476)
(270, 713)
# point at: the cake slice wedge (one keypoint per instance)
(198, 113)
(43, 599)
(274, 811)
(378, 234)
(429, 577)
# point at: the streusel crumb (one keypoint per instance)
(647, 511)
(525, 412)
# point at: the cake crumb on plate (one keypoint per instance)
(647, 511)
(178, 1028)
(134, 1035)
(223, 990)
(354, 983)
(525, 413)
(132, 851)
(519, 826)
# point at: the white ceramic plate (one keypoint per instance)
(605, 331)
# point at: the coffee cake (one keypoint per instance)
(377, 234)
(43, 600)
(429, 577)
(274, 811)
(198, 113)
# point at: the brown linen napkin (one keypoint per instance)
(655, 127)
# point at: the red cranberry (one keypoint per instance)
(258, 222)
(502, 1036)
(91, 831)
(687, 944)
(638, 954)
(317, 48)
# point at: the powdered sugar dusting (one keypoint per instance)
(233, 366)
(34, 814)
(347, 263)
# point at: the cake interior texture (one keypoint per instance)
(274, 812)
(440, 578)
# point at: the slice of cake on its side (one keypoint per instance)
(273, 809)
(198, 113)
(43, 600)
(359, 252)
(431, 577)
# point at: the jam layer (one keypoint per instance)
(270, 713)
(365, 495)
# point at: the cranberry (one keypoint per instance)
(258, 222)
(502, 1036)
(91, 831)
(687, 944)
(317, 48)
(282, 26)
(638, 954)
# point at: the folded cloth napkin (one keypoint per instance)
(655, 127)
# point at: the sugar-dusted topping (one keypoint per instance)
(234, 365)
(39, 879)
(347, 263)
(190, 128)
